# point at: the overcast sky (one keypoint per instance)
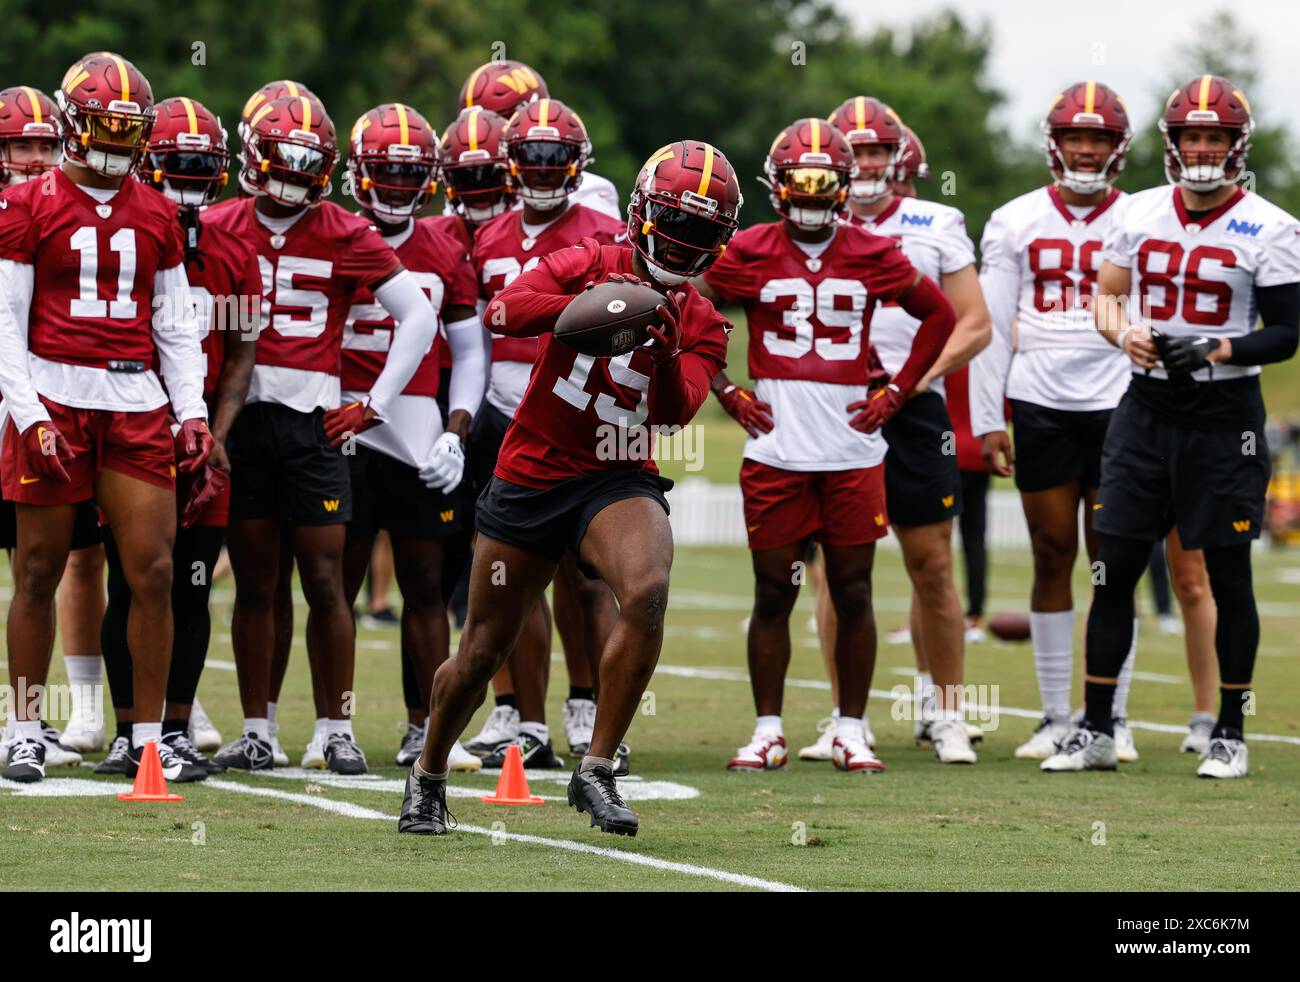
(1037, 50)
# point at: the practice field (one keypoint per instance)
(999, 825)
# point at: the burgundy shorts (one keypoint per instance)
(138, 445)
(843, 508)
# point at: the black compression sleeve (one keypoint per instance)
(1279, 308)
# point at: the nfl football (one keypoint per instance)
(610, 319)
(1009, 626)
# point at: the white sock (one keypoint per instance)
(258, 726)
(84, 669)
(924, 696)
(538, 731)
(142, 733)
(1053, 639)
(270, 714)
(770, 726)
(30, 729)
(333, 726)
(1125, 681)
(850, 728)
(322, 728)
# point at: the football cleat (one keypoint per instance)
(56, 754)
(1170, 625)
(424, 807)
(902, 635)
(595, 793)
(536, 753)
(313, 758)
(1083, 750)
(1044, 742)
(412, 743)
(1199, 730)
(764, 752)
(85, 730)
(118, 759)
(203, 734)
(622, 761)
(975, 634)
(278, 756)
(175, 768)
(951, 741)
(854, 756)
(249, 753)
(459, 759)
(184, 748)
(821, 748)
(1125, 748)
(921, 732)
(1225, 758)
(26, 762)
(502, 726)
(579, 719)
(343, 756)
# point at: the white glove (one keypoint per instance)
(445, 466)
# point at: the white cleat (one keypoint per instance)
(1083, 750)
(902, 635)
(278, 757)
(501, 726)
(56, 754)
(203, 734)
(853, 756)
(85, 730)
(462, 761)
(951, 742)
(1125, 749)
(314, 757)
(764, 752)
(1225, 758)
(921, 731)
(821, 749)
(1044, 742)
(1199, 730)
(579, 721)
(1170, 625)
(974, 633)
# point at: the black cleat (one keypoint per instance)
(622, 760)
(249, 753)
(343, 756)
(536, 754)
(424, 807)
(26, 762)
(184, 748)
(412, 745)
(118, 760)
(175, 768)
(596, 794)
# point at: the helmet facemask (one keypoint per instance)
(30, 167)
(477, 186)
(677, 240)
(865, 189)
(1203, 171)
(394, 189)
(1082, 181)
(293, 170)
(108, 141)
(810, 197)
(545, 172)
(192, 173)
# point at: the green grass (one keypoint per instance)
(999, 825)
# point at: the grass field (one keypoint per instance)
(999, 825)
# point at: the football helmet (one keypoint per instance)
(186, 158)
(1207, 100)
(393, 163)
(107, 110)
(473, 166)
(912, 164)
(503, 87)
(28, 114)
(808, 170)
(546, 149)
(1086, 106)
(864, 120)
(684, 209)
(289, 151)
(268, 93)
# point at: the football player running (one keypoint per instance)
(1203, 260)
(186, 160)
(553, 492)
(406, 471)
(91, 262)
(287, 470)
(814, 461)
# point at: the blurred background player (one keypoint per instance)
(814, 461)
(405, 472)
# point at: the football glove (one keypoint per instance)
(668, 333)
(747, 410)
(46, 451)
(446, 464)
(207, 485)
(877, 409)
(1187, 355)
(193, 446)
(349, 420)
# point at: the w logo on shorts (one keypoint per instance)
(448, 515)
(1241, 525)
(331, 504)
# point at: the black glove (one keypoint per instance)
(1182, 356)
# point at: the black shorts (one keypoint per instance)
(486, 434)
(553, 521)
(85, 530)
(922, 480)
(1156, 473)
(1057, 446)
(283, 467)
(388, 494)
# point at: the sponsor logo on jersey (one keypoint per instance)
(1244, 228)
(331, 504)
(1241, 525)
(916, 220)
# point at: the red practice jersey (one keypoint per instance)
(809, 318)
(106, 311)
(227, 294)
(439, 266)
(575, 404)
(456, 227)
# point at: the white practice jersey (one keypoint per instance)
(934, 238)
(1039, 259)
(1198, 278)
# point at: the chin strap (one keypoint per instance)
(193, 229)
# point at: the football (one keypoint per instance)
(1009, 626)
(610, 319)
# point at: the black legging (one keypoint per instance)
(1159, 579)
(974, 525)
(193, 558)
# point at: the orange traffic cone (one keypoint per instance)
(512, 785)
(150, 785)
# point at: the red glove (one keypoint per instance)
(193, 446)
(877, 409)
(349, 420)
(613, 278)
(46, 451)
(741, 405)
(210, 482)
(877, 377)
(668, 335)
